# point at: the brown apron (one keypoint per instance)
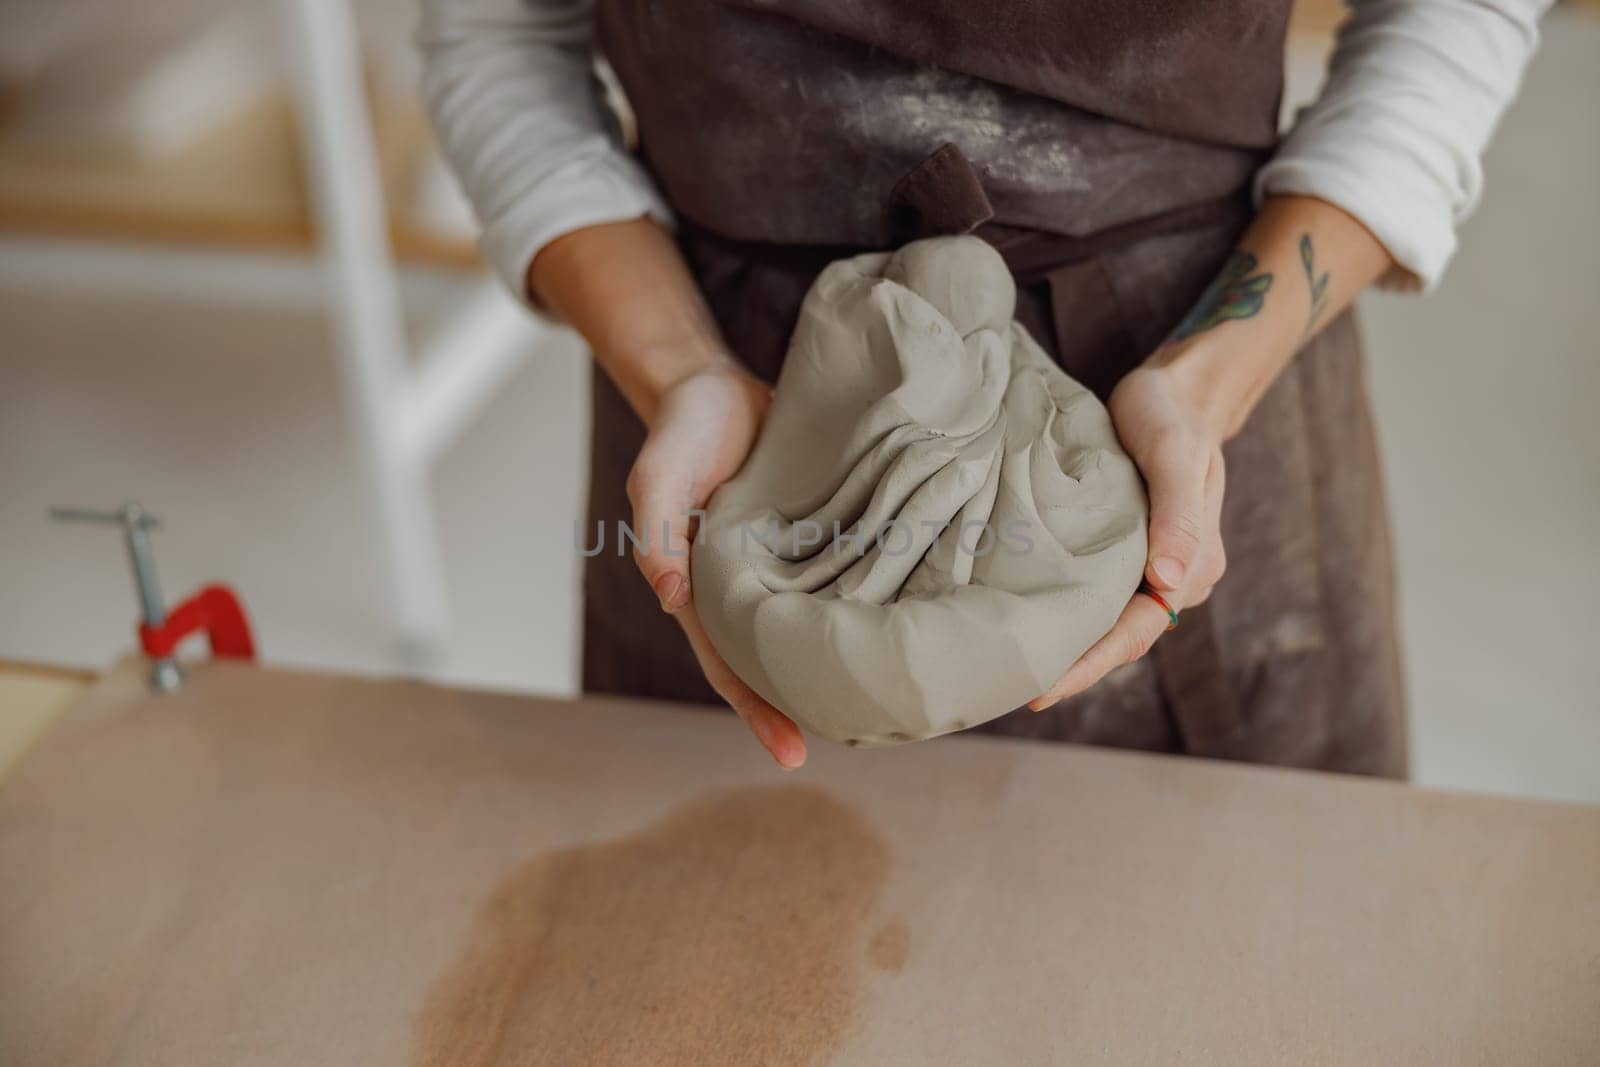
(1106, 149)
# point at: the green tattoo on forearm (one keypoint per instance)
(1236, 293)
(1318, 285)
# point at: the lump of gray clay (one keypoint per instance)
(935, 521)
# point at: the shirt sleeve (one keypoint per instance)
(1414, 91)
(519, 115)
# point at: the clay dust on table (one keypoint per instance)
(732, 931)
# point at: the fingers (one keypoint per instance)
(776, 731)
(1213, 557)
(1141, 622)
(661, 522)
(702, 431)
(1187, 546)
(1181, 521)
(662, 488)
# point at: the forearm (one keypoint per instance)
(1301, 263)
(625, 287)
(1414, 90)
(510, 87)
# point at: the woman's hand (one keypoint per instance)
(1171, 439)
(702, 431)
(1300, 264)
(625, 287)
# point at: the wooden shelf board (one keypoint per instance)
(239, 186)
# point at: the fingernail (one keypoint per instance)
(1169, 570)
(669, 590)
(785, 760)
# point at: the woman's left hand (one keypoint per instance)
(1170, 438)
(1298, 266)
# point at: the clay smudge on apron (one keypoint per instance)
(1015, 138)
(732, 931)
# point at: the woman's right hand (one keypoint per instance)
(702, 429)
(625, 287)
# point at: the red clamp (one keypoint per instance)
(213, 609)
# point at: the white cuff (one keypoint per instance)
(586, 192)
(1413, 224)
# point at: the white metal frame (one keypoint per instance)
(405, 413)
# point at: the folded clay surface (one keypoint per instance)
(935, 521)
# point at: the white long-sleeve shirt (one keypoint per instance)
(1414, 90)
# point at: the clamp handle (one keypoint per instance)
(129, 514)
(136, 525)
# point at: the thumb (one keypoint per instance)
(661, 507)
(1177, 483)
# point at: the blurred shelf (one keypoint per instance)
(241, 186)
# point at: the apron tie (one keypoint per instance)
(941, 196)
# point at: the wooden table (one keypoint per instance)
(273, 868)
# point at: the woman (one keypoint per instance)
(1170, 253)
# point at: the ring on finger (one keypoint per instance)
(1172, 615)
